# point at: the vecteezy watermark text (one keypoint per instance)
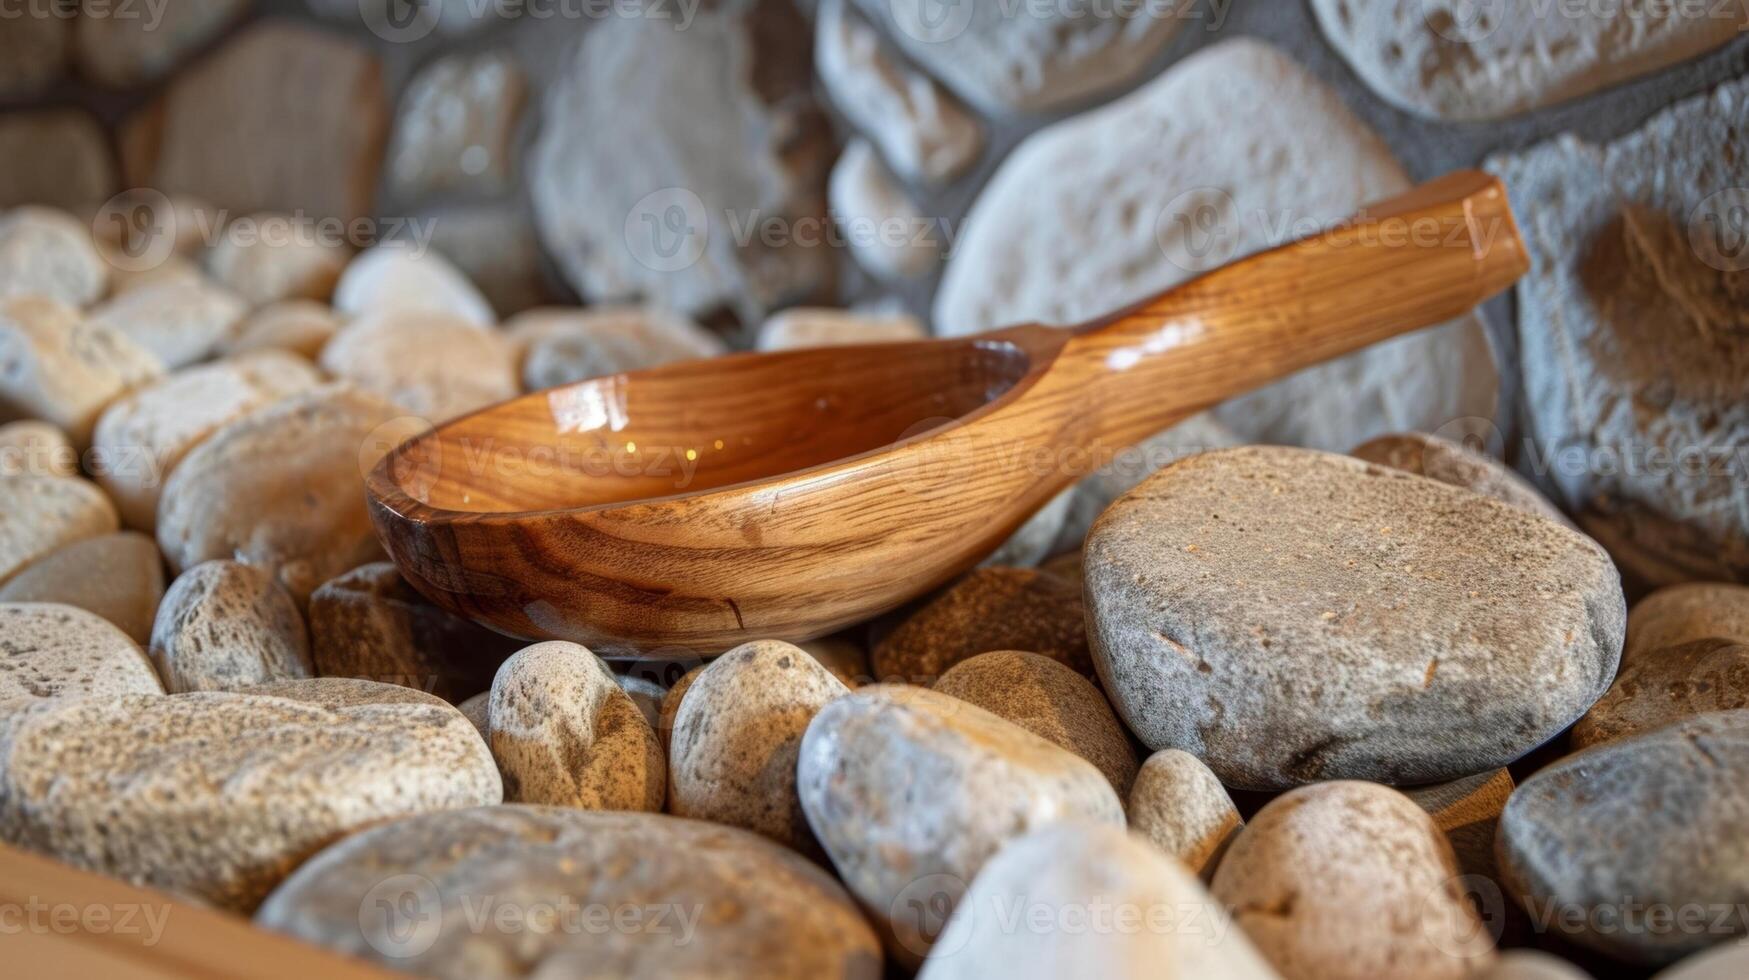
(35, 916)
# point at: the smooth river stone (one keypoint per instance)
(119, 577)
(434, 365)
(560, 345)
(398, 278)
(36, 447)
(51, 650)
(1593, 845)
(217, 795)
(227, 626)
(1678, 614)
(48, 253)
(1668, 685)
(1049, 700)
(278, 261)
(1089, 900)
(1450, 462)
(732, 754)
(1290, 616)
(992, 608)
(692, 899)
(63, 369)
(1179, 806)
(180, 322)
(911, 791)
(1350, 879)
(302, 326)
(41, 514)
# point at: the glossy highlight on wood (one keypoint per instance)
(786, 495)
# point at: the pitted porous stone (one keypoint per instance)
(51, 650)
(1049, 700)
(1351, 880)
(992, 608)
(694, 899)
(732, 756)
(218, 795)
(227, 626)
(564, 733)
(1669, 685)
(1179, 806)
(1654, 821)
(1678, 614)
(911, 791)
(1290, 616)
(119, 577)
(1448, 462)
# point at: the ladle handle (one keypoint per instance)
(1399, 265)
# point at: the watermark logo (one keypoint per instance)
(1477, 434)
(415, 474)
(1484, 897)
(401, 916)
(1463, 21)
(400, 21)
(1718, 230)
(143, 226)
(1198, 230)
(921, 910)
(932, 21)
(667, 230)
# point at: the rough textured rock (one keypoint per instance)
(887, 233)
(1096, 491)
(631, 199)
(179, 322)
(370, 624)
(991, 608)
(1489, 61)
(266, 258)
(1043, 57)
(1094, 896)
(1468, 810)
(1086, 216)
(282, 118)
(227, 626)
(1678, 614)
(64, 370)
(38, 448)
(1633, 338)
(1290, 616)
(33, 53)
(1049, 700)
(1606, 834)
(281, 487)
(560, 346)
(921, 131)
(434, 365)
(121, 51)
(50, 650)
(401, 278)
(56, 157)
(1179, 806)
(911, 791)
(455, 127)
(820, 326)
(119, 577)
(563, 732)
(732, 754)
(496, 246)
(40, 514)
(48, 253)
(1668, 685)
(1449, 462)
(218, 795)
(142, 436)
(696, 899)
(301, 326)
(1351, 879)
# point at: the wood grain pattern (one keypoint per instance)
(791, 494)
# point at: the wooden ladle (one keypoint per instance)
(787, 495)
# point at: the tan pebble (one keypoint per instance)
(1467, 811)
(671, 706)
(1179, 806)
(42, 514)
(1678, 614)
(434, 365)
(179, 322)
(1526, 964)
(50, 650)
(1452, 463)
(33, 447)
(477, 710)
(62, 369)
(302, 326)
(564, 733)
(396, 278)
(992, 608)
(120, 577)
(844, 656)
(1664, 686)
(226, 626)
(48, 253)
(275, 260)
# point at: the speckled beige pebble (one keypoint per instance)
(1049, 700)
(1665, 686)
(370, 624)
(732, 758)
(62, 369)
(218, 795)
(280, 487)
(564, 733)
(42, 514)
(434, 365)
(1088, 900)
(1467, 811)
(1449, 462)
(992, 608)
(226, 626)
(910, 792)
(142, 436)
(120, 577)
(34, 447)
(1678, 614)
(265, 258)
(302, 326)
(50, 650)
(1350, 879)
(48, 253)
(671, 706)
(693, 899)
(1179, 806)
(179, 322)
(478, 709)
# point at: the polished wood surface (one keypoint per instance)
(787, 495)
